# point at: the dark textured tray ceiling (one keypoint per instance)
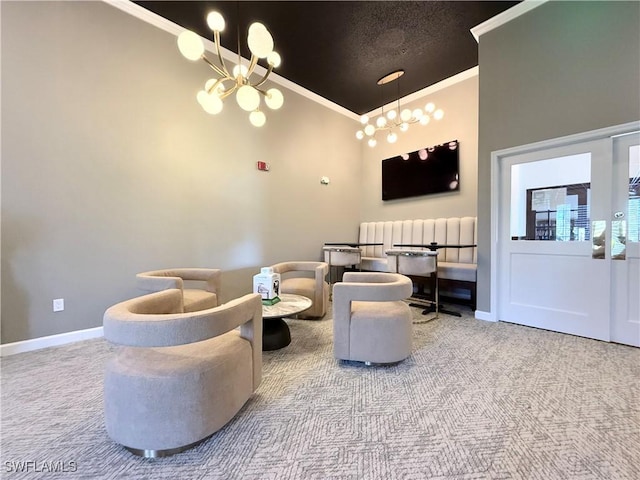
(340, 49)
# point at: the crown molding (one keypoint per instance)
(168, 26)
(431, 89)
(504, 17)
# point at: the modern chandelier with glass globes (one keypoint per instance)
(395, 118)
(247, 94)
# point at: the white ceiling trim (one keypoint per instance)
(504, 17)
(431, 89)
(162, 23)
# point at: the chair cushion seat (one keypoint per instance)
(380, 331)
(197, 299)
(465, 272)
(299, 286)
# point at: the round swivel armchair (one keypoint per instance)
(371, 323)
(306, 279)
(178, 377)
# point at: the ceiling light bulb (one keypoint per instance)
(422, 154)
(405, 115)
(392, 137)
(274, 59)
(211, 103)
(424, 120)
(274, 99)
(364, 119)
(438, 114)
(369, 130)
(260, 40)
(201, 97)
(257, 118)
(215, 21)
(381, 122)
(405, 156)
(359, 134)
(417, 114)
(240, 70)
(404, 127)
(392, 114)
(372, 142)
(190, 45)
(248, 98)
(429, 107)
(209, 83)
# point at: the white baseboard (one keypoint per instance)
(50, 341)
(487, 316)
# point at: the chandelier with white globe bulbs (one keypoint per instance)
(395, 118)
(248, 94)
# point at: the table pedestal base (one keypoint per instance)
(432, 308)
(275, 334)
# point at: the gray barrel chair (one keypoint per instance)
(200, 287)
(371, 323)
(179, 377)
(306, 279)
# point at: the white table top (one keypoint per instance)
(288, 305)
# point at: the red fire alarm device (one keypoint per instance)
(264, 166)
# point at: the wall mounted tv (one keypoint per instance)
(423, 172)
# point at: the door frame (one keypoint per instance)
(498, 156)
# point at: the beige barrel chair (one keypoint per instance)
(306, 279)
(371, 323)
(178, 377)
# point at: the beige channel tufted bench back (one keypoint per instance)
(452, 230)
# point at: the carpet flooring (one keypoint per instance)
(476, 400)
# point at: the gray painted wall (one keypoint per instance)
(110, 167)
(560, 69)
(460, 122)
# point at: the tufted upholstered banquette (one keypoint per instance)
(456, 266)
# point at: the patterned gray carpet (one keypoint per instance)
(476, 400)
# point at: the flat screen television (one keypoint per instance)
(423, 172)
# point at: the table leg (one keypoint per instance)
(439, 309)
(435, 306)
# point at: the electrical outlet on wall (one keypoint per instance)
(58, 304)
